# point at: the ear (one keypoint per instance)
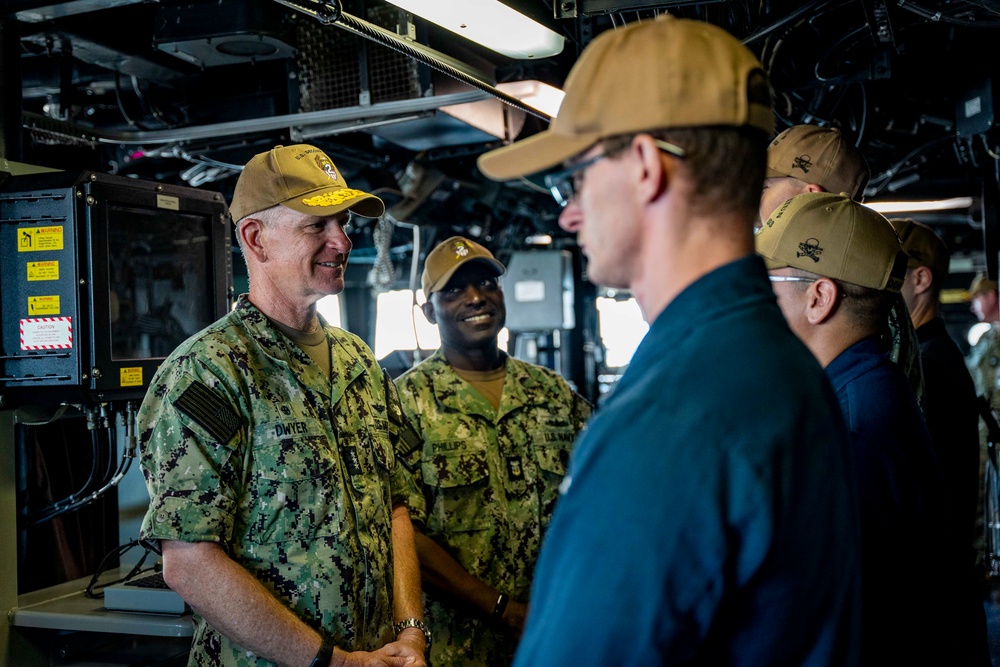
(822, 299)
(428, 309)
(815, 187)
(250, 233)
(657, 168)
(922, 278)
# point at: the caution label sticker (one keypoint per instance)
(47, 333)
(36, 239)
(43, 305)
(43, 271)
(131, 377)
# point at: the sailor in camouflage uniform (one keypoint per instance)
(984, 357)
(984, 365)
(268, 443)
(497, 433)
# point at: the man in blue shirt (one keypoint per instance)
(708, 515)
(837, 267)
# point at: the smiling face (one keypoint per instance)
(306, 255)
(469, 310)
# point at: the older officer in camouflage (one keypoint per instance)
(268, 445)
(497, 433)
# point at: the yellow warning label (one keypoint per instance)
(35, 239)
(43, 271)
(43, 305)
(131, 377)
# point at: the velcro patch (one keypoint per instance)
(206, 409)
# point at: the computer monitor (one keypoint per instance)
(102, 277)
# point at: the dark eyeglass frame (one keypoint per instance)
(565, 183)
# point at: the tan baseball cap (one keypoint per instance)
(649, 75)
(923, 246)
(982, 284)
(834, 236)
(302, 178)
(819, 155)
(445, 259)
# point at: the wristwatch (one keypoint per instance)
(414, 623)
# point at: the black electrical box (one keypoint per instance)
(102, 277)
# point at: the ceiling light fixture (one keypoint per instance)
(918, 206)
(536, 94)
(491, 24)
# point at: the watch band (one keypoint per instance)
(499, 607)
(414, 623)
(324, 655)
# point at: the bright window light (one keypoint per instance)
(884, 207)
(976, 332)
(536, 94)
(399, 324)
(491, 24)
(622, 329)
(329, 308)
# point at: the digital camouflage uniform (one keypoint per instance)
(984, 365)
(490, 479)
(245, 442)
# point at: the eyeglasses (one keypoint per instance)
(566, 183)
(791, 279)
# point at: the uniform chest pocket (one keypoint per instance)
(295, 491)
(369, 459)
(459, 483)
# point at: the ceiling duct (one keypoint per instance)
(228, 32)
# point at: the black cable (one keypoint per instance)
(886, 177)
(117, 552)
(108, 483)
(794, 16)
(824, 57)
(935, 16)
(55, 508)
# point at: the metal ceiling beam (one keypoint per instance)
(349, 118)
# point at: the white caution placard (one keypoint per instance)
(47, 333)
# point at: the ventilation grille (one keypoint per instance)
(329, 65)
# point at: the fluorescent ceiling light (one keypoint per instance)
(535, 94)
(917, 206)
(491, 24)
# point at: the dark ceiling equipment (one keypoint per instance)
(229, 32)
(204, 84)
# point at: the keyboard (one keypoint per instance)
(147, 593)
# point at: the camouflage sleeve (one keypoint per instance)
(406, 444)
(582, 409)
(189, 432)
(416, 502)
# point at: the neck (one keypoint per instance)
(278, 306)
(830, 340)
(682, 248)
(923, 311)
(474, 359)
